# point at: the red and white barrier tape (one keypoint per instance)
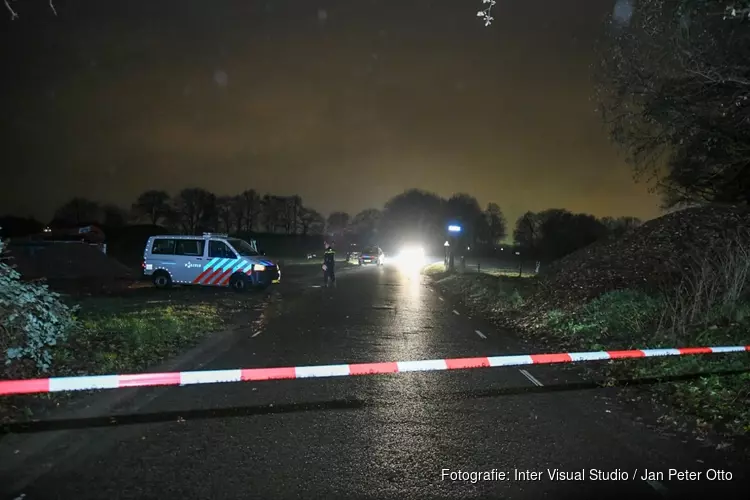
(58, 384)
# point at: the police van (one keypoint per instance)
(211, 260)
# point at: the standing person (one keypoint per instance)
(329, 265)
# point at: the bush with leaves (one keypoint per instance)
(33, 319)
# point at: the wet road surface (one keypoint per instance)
(391, 436)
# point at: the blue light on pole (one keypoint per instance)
(454, 229)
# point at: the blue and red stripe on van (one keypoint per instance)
(218, 271)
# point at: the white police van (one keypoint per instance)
(211, 260)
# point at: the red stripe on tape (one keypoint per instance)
(268, 373)
(695, 350)
(373, 368)
(29, 386)
(540, 359)
(147, 379)
(634, 353)
(461, 363)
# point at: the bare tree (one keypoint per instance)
(337, 224)
(494, 223)
(289, 212)
(14, 15)
(153, 205)
(78, 211)
(251, 206)
(224, 211)
(365, 225)
(294, 204)
(274, 212)
(312, 221)
(528, 233)
(194, 209)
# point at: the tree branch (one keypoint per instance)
(486, 14)
(13, 14)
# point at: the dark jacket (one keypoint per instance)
(328, 258)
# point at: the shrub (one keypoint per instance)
(712, 288)
(33, 319)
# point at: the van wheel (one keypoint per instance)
(239, 282)
(162, 279)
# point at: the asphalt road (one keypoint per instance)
(390, 436)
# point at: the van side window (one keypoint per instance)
(220, 249)
(190, 247)
(163, 247)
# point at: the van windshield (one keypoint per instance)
(243, 247)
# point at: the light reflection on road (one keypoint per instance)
(403, 434)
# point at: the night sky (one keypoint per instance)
(345, 103)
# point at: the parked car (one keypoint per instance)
(208, 260)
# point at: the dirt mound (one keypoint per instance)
(649, 257)
(67, 261)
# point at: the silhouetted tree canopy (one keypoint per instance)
(151, 206)
(311, 221)
(337, 224)
(414, 216)
(465, 209)
(617, 226)
(79, 211)
(554, 233)
(673, 85)
(364, 226)
(494, 224)
(195, 210)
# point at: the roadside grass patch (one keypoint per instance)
(718, 400)
(113, 335)
(486, 293)
(621, 319)
(124, 335)
(632, 319)
(510, 273)
(627, 319)
(435, 269)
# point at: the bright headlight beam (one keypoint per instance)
(411, 258)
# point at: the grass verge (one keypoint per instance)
(625, 319)
(113, 336)
(127, 335)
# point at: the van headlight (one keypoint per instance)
(259, 267)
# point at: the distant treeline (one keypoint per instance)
(414, 216)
